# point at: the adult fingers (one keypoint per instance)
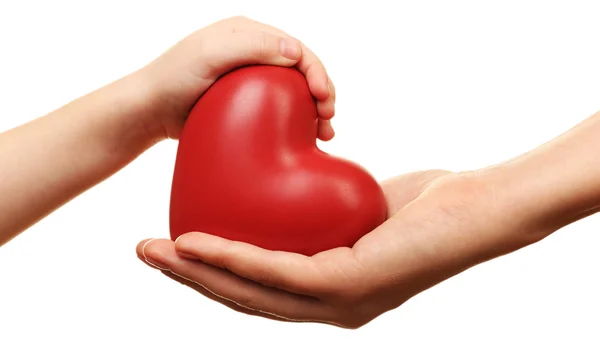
(229, 288)
(294, 273)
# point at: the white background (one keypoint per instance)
(446, 84)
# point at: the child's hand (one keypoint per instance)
(183, 73)
(94, 136)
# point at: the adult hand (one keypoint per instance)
(183, 73)
(439, 224)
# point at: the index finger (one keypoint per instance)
(294, 273)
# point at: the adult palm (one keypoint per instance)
(438, 226)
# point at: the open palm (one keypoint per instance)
(440, 224)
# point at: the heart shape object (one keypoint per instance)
(248, 169)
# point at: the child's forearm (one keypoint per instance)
(52, 159)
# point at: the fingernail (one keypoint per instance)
(152, 262)
(290, 48)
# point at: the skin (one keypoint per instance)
(440, 223)
(54, 158)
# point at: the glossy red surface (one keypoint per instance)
(248, 169)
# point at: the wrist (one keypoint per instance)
(141, 107)
(168, 96)
(119, 119)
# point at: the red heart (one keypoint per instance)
(248, 169)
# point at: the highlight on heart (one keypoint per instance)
(248, 169)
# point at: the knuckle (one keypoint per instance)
(225, 260)
(207, 52)
(233, 24)
(265, 279)
(262, 47)
(222, 262)
(238, 18)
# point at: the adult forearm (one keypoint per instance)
(52, 159)
(555, 184)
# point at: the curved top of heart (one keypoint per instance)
(248, 168)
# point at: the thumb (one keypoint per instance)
(403, 189)
(242, 48)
